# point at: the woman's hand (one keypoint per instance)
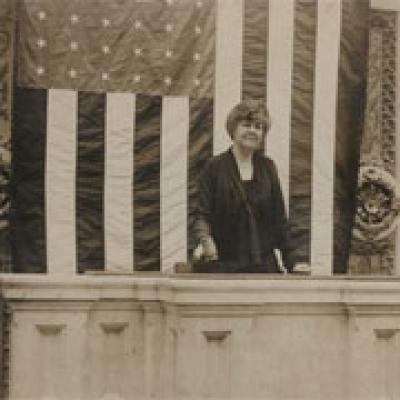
(210, 249)
(206, 250)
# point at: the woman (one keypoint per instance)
(240, 215)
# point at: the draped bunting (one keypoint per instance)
(136, 161)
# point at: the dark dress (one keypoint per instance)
(245, 218)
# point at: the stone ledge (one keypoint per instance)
(205, 290)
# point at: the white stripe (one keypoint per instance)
(397, 149)
(228, 67)
(279, 86)
(118, 188)
(60, 181)
(174, 154)
(326, 85)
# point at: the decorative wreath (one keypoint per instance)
(378, 204)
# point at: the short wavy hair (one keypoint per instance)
(248, 110)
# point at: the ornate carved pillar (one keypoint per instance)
(6, 72)
(376, 245)
(397, 144)
(4, 348)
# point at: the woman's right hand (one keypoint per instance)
(207, 249)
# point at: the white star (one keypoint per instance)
(105, 76)
(138, 52)
(168, 53)
(199, 4)
(138, 24)
(170, 2)
(41, 42)
(72, 73)
(74, 18)
(197, 82)
(106, 49)
(106, 22)
(196, 56)
(42, 15)
(40, 70)
(169, 27)
(197, 30)
(74, 46)
(137, 78)
(167, 80)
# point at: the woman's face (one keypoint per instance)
(248, 135)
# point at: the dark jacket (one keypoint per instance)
(222, 212)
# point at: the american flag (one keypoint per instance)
(118, 104)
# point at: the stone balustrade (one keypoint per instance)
(195, 336)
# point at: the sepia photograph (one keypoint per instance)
(199, 199)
